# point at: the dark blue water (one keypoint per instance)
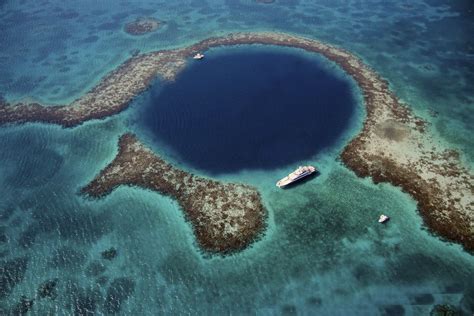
(254, 110)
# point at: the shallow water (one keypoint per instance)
(322, 253)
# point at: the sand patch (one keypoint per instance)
(392, 130)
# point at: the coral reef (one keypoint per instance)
(12, 272)
(225, 216)
(142, 26)
(23, 306)
(445, 310)
(48, 289)
(119, 291)
(394, 145)
(109, 254)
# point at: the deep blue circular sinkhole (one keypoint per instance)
(253, 109)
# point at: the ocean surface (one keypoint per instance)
(251, 108)
(322, 252)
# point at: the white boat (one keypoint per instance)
(198, 56)
(383, 219)
(300, 173)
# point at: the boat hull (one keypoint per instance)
(294, 177)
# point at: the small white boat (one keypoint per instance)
(383, 219)
(198, 56)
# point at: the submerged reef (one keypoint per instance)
(23, 306)
(394, 145)
(109, 254)
(47, 289)
(225, 216)
(445, 310)
(112, 95)
(119, 291)
(12, 272)
(142, 26)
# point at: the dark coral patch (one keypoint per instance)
(142, 26)
(23, 306)
(445, 310)
(393, 310)
(423, 299)
(12, 272)
(47, 289)
(109, 254)
(119, 291)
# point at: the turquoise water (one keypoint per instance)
(322, 253)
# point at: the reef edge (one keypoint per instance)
(394, 145)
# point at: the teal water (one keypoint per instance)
(322, 252)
